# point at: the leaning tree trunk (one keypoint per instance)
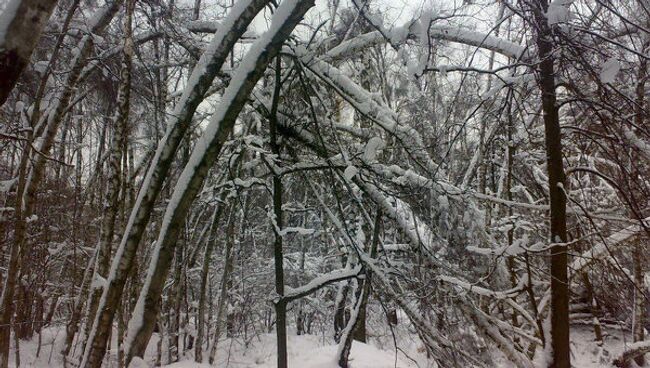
(175, 304)
(556, 184)
(343, 353)
(207, 149)
(639, 299)
(201, 79)
(72, 326)
(21, 24)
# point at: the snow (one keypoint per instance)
(40, 67)
(475, 289)
(305, 351)
(413, 30)
(558, 12)
(350, 172)
(603, 248)
(138, 362)
(202, 26)
(478, 39)
(369, 105)
(98, 282)
(637, 142)
(321, 281)
(609, 70)
(298, 230)
(5, 185)
(372, 147)
(311, 351)
(7, 16)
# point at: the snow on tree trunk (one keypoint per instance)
(203, 156)
(202, 76)
(21, 24)
(118, 143)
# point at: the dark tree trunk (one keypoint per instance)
(280, 306)
(556, 183)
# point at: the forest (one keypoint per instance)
(324, 183)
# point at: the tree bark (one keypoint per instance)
(638, 250)
(118, 151)
(639, 300)
(202, 159)
(21, 25)
(356, 329)
(211, 62)
(223, 292)
(278, 255)
(556, 184)
(210, 244)
(360, 333)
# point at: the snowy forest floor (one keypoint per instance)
(310, 351)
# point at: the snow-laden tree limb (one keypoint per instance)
(356, 45)
(602, 248)
(205, 152)
(234, 25)
(631, 351)
(319, 282)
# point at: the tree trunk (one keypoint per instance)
(343, 353)
(278, 255)
(556, 184)
(180, 120)
(210, 243)
(360, 327)
(28, 184)
(75, 319)
(223, 292)
(203, 157)
(175, 307)
(119, 141)
(355, 328)
(339, 310)
(638, 250)
(639, 300)
(21, 24)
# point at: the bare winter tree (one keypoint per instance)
(452, 184)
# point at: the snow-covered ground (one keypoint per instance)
(309, 351)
